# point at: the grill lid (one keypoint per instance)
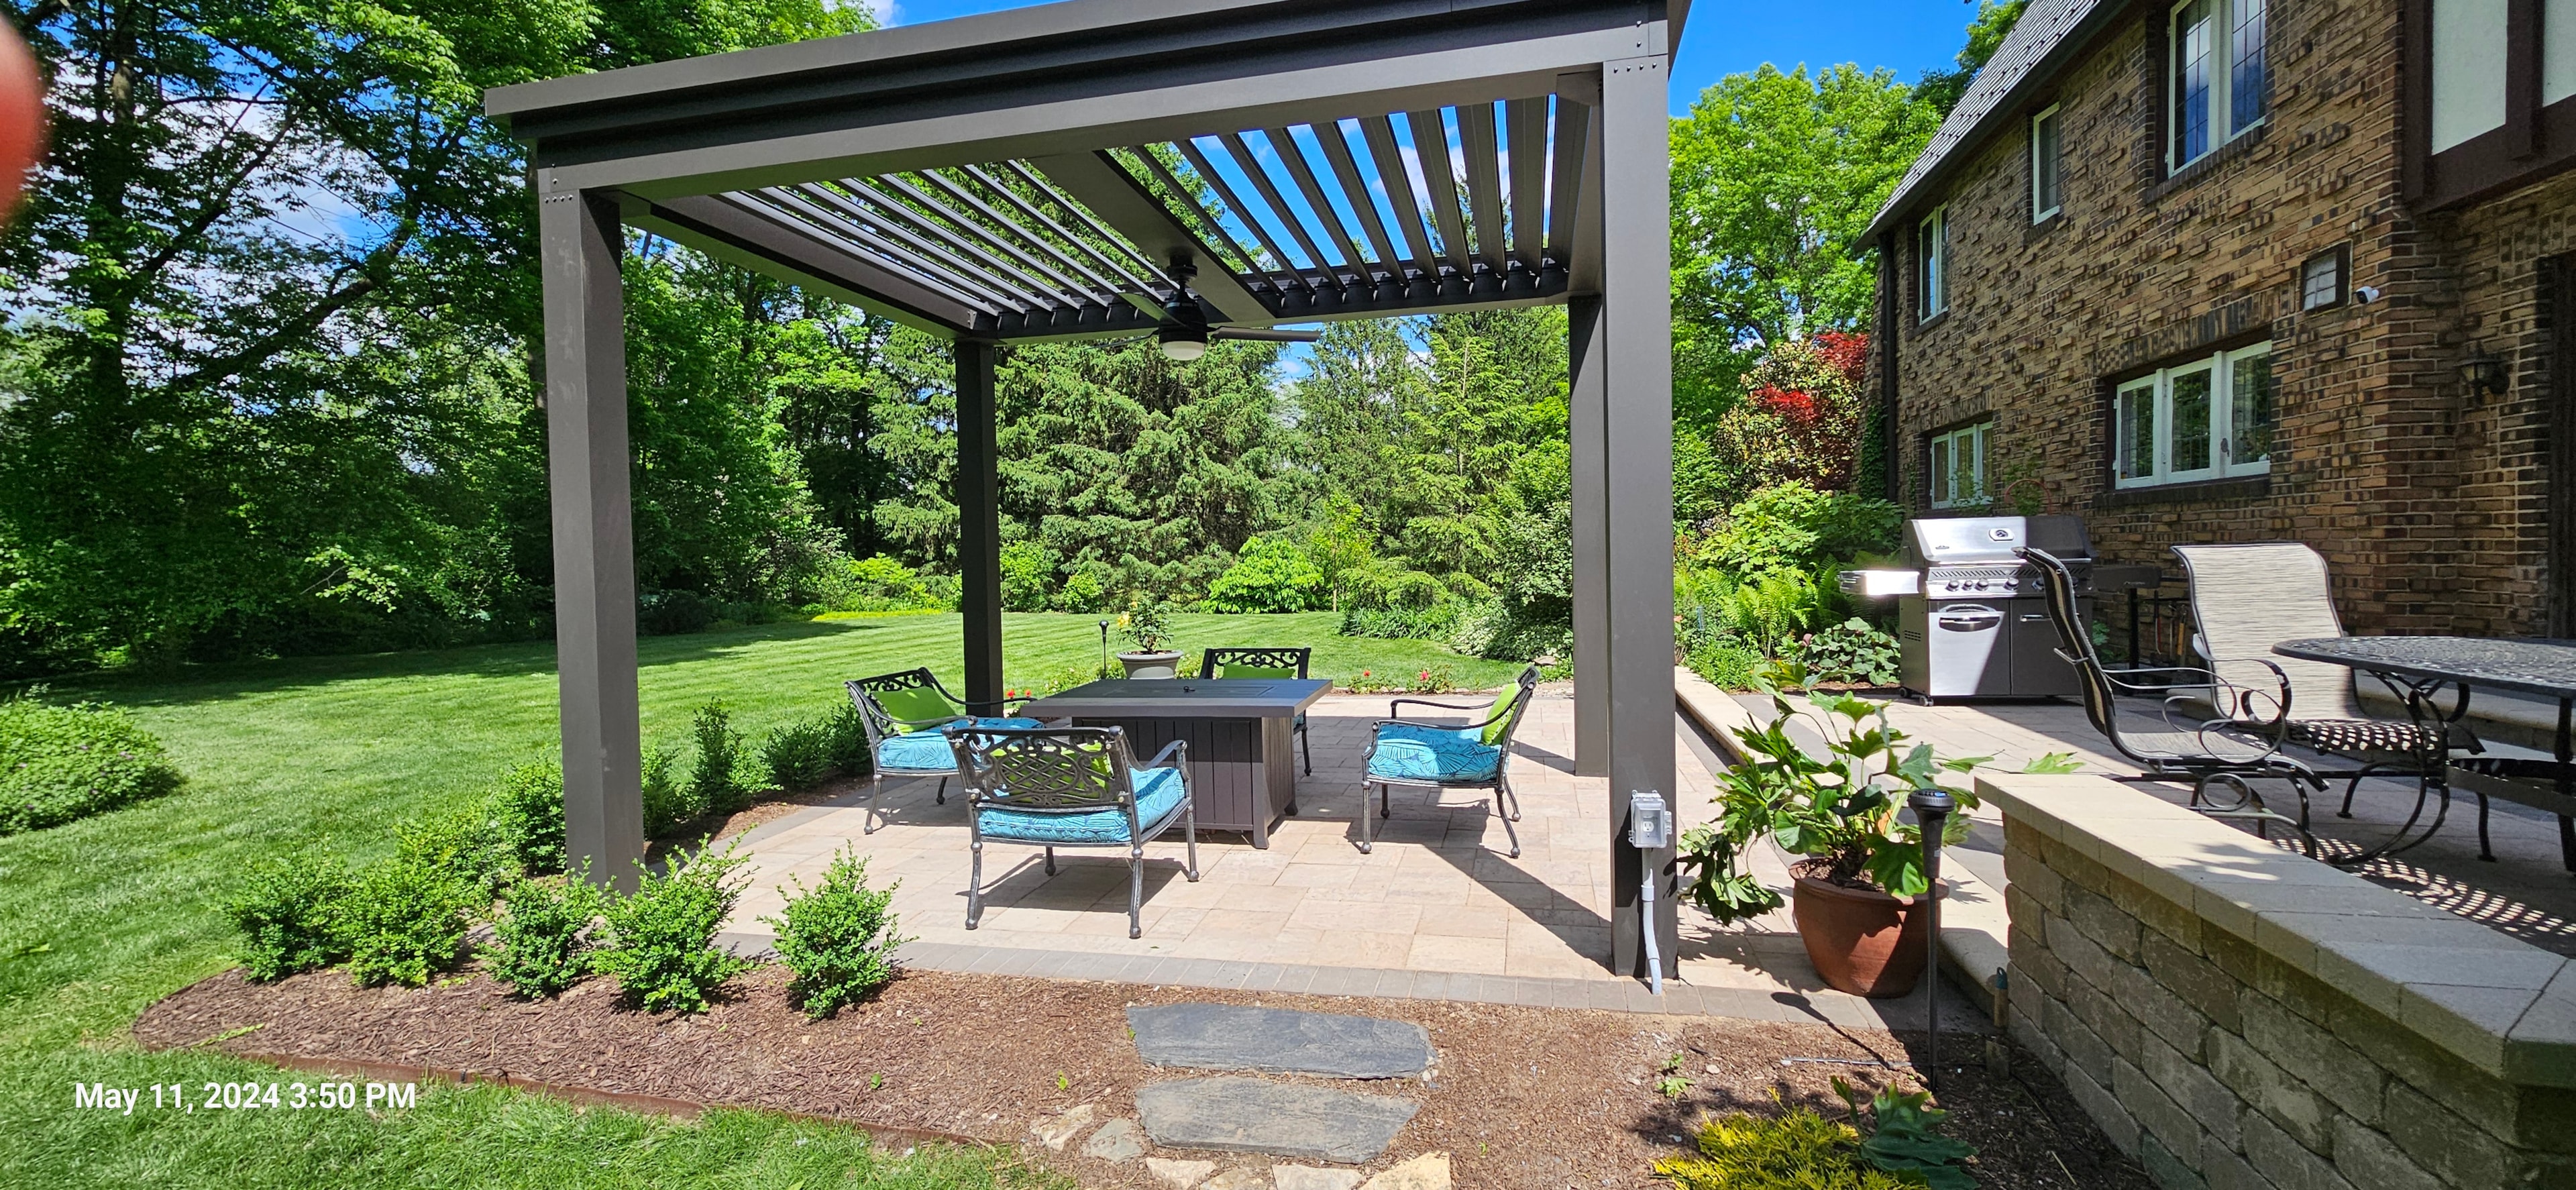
(1991, 540)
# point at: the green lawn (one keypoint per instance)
(100, 918)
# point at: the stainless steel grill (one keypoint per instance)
(1971, 619)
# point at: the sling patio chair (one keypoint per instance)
(2182, 743)
(2246, 599)
(1441, 756)
(1056, 787)
(1265, 663)
(903, 713)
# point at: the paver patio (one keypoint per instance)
(1438, 897)
(1440, 910)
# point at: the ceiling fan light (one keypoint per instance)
(1181, 344)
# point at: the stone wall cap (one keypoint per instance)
(2498, 1002)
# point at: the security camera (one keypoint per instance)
(2365, 294)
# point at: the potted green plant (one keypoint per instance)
(1148, 626)
(1861, 875)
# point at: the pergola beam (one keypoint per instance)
(1028, 122)
(1096, 182)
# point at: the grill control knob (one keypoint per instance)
(1981, 584)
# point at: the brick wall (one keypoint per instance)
(2426, 500)
(2217, 1065)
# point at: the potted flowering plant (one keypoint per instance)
(1861, 877)
(1148, 626)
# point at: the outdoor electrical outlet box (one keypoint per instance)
(1650, 823)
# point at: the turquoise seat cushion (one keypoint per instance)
(927, 751)
(1413, 752)
(1158, 797)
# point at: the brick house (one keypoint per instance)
(2234, 270)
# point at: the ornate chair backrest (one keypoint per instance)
(2075, 641)
(1045, 770)
(2246, 599)
(882, 724)
(1217, 661)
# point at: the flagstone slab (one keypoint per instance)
(1277, 1040)
(1250, 1115)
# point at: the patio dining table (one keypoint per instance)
(2418, 667)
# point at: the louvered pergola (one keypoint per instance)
(1112, 167)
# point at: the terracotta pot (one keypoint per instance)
(1151, 665)
(1861, 940)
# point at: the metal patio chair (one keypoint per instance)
(1441, 756)
(2246, 599)
(903, 713)
(2182, 743)
(1056, 787)
(1265, 663)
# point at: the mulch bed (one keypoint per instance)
(1519, 1097)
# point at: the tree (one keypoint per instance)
(1143, 476)
(267, 362)
(1774, 178)
(1943, 89)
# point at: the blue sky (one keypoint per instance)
(1725, 36)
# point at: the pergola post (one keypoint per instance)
(581, 243)
(979, 519)
(1637, 363)
(1591, 477)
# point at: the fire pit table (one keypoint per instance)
(2420, 666)
(1242, 775)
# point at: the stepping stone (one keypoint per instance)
(1055, 1130)
(1309, 1177)
(1181, 1175)
(1429, 1171)
(1233, 1037)
(1117, 1140)
(1238, 1179)
(1248, 1115)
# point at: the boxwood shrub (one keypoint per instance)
(293, 914)
(837, 938)
(661, 946)
(59, 764)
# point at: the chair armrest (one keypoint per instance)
(2244, 697)
(1182, 747)
(943, 721)
(1398, 716)
(999, 704)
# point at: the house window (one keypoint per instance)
(2045, 181)
(2210, 418)
(1959, 467)
(2324, 280)
(1932, 260)
(2219, 79)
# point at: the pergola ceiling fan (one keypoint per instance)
(1185, 332)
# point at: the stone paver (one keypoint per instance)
(1244, 1178)
(1311, 1177)
(1247, 1115)
(1238, 1037)
(1429, 1171)
(1182, 1175)
(1054, 1131)
(1117, 1140)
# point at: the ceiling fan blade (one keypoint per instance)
(1272, 334)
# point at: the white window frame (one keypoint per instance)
(2222, 76)
(2056, 168)
(1950, 445)
(1932, 265)
(2157, 389)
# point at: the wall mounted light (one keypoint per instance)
(2483, 373)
